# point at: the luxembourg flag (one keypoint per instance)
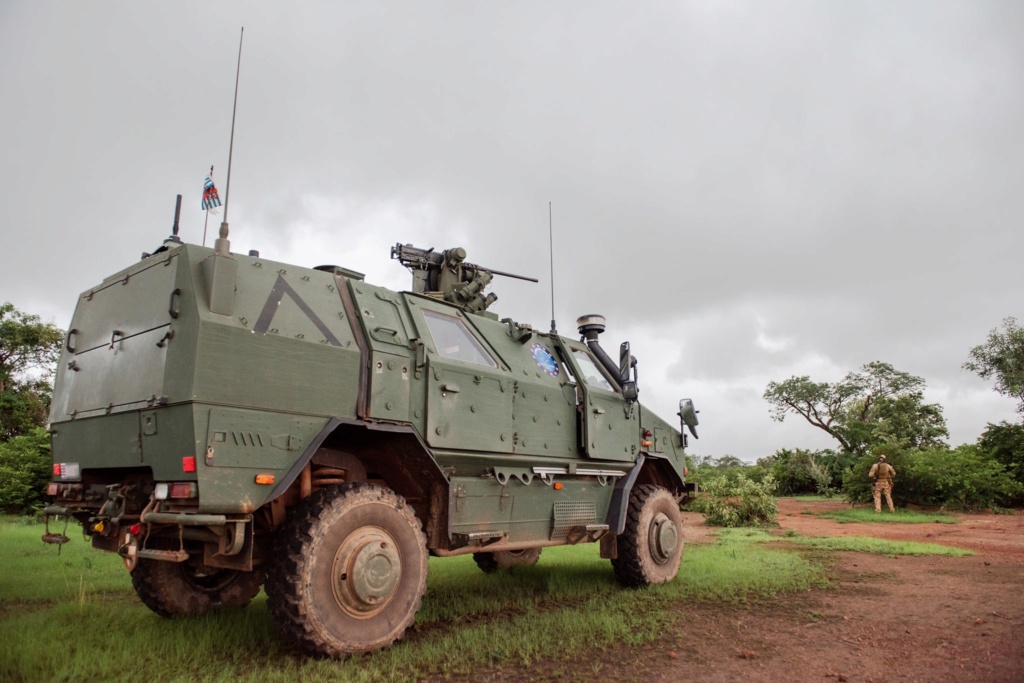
(211, 200)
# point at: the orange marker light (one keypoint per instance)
(646, 444)
(265, 479)
(558, 486)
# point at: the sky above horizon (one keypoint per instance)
(747, 191)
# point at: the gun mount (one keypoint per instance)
(446, 275)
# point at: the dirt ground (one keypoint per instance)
(924, 618)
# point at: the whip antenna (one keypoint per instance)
(222, 245)
(551, 256)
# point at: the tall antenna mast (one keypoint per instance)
(222, 246)
(551, 256)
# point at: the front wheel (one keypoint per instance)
(503, 559)
(650, 548)
(349, 571)
(173, 589)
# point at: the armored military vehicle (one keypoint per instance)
(224, 421)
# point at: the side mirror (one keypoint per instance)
(625, 362)
(630, 389)
(688, 416)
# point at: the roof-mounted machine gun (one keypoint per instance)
(446, 275)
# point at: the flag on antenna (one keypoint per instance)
(211, 200)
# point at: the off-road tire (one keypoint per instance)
(650, 548)
(173, 589)
(317, 599)
(503, 559)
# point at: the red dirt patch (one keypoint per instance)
(925, 618)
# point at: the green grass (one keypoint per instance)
(74, 617)
(812, 499)
(858, 544)
(901, 516)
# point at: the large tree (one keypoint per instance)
(1002, 358)
(29, 350)
(875, 405)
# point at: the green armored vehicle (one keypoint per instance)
(225, 422)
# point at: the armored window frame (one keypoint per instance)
(453, 339)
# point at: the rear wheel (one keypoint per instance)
(349, 571)
(502, 559)
(174, 589)
(650, 549)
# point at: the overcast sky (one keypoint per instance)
(746, 190)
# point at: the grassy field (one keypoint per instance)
(901, 516)
(858, 544)
(74, 616)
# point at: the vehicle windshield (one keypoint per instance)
(593, 376)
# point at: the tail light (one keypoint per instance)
(177, 489)
(183, 489)
(67, 471)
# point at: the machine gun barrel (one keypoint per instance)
(414, 257)
(502, 273)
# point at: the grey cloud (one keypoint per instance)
(846, 172)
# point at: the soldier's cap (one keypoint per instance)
(881, 457)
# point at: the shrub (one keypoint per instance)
(742, 502)
(24, 471)
(801, 471)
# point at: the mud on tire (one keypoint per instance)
(650, 548)
(349, 570)
(174, 589)
(502, 559)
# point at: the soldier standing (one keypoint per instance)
(882, 474)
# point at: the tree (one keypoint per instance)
(29, 350)
(1002, 358)
(877, 404)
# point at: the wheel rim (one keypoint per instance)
(663, 538)
(366, 573)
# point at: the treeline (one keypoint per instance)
(987, 474)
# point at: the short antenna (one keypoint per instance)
(222, 246)
(177, 216)
(551, 256)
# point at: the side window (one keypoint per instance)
(453, 340)
(593, 376)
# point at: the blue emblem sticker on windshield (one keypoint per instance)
(544, 360)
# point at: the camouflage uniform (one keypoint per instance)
(882, 473)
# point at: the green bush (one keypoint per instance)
(800, 471)
(742, 502)
(964, 478)
(25, 470)
(1004, 442)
